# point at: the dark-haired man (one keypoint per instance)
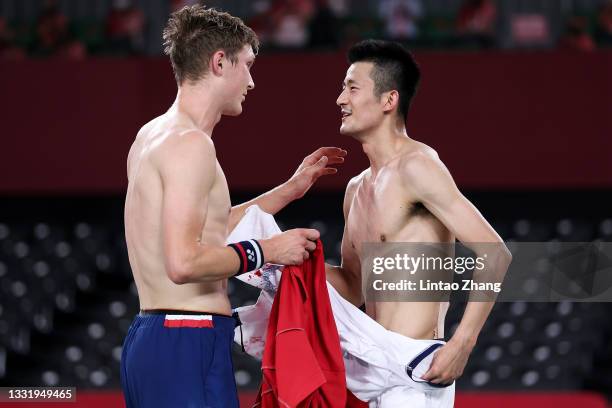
(177, 216)
(406, 195)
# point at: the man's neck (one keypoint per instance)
(383, 145)
(200, 105)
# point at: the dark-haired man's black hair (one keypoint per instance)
(394, 69)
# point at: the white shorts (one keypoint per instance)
(384, 367)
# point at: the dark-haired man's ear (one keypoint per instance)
(216, 63)
(391, 101)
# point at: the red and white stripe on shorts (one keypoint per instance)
(188, 321)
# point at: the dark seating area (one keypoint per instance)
(67, 296)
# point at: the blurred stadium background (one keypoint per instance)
(516, 97)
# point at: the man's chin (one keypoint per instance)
(344, 130)
(234, 111)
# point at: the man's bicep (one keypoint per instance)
(436, 189)
(187, 173)
(345, 278)
(464, 220)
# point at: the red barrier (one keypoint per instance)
(464, 400)
(498, 120)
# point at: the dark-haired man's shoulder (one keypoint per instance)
(422, 167)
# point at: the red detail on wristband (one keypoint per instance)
(244, 258)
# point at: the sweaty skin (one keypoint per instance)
(177, 208)
(406, 195)
(381, 208)
(144, 220)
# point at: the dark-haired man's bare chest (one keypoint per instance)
(384, 211)
(379, 212)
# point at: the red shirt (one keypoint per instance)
(302, 363)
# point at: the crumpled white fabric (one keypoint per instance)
(375, 358)
(256, 224)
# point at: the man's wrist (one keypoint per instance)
(464, 340)
(250, 254)
(289, 191)
(268, 250)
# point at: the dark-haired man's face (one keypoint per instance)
(360, 108)
(238, 81)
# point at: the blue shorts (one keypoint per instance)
(177, 359)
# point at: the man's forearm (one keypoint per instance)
(271, 202)
(209, 263)
(204, 263)
(477, 310)
(474, 317)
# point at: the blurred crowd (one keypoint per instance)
(54, 34)
(310, 24)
